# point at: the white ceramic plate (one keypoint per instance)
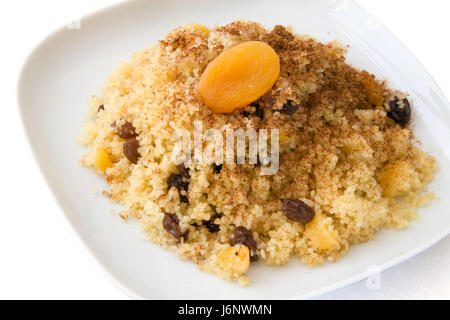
(71, 65)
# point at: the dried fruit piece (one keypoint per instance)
(186, 235)
(126, 131)
(239, 76)
(283, 137)
(172, 225)
(289, 107)
(130, 149)
(259, 112)
(400, 114)
(200, 27)
(373, 89)
(297, 210)
(211, 226)
(242, 235)
(176, 180)
(184, 171)
(398, 178)
(217, 168)
(184, 199)
(235, 259)
(321, 233)
(102, 160)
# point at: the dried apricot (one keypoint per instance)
(102, 160)
(321, 233)
(239, 76)
(398, 178)
(235, 259)
(199, 27)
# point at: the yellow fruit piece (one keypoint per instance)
(321, 233)
(239, 76)
(200, 27)
(398, 178)
(283, 137)
(374, 89)
(235, 259)
(102, 160)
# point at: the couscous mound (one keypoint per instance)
(348, 163)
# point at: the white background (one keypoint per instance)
(41, 259)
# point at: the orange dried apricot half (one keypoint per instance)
(239, 76)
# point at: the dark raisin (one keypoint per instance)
(217, 168)
(210, 225)
(297, 210)
(186, 235)
(289, 107)
(172, 225)
(184, 199)
(176, 180)
(126, 131)
(184, 171)
(102, 107)
(401, 116)
(259, 112)
(271, 99)
(130, 149)
(242, 235)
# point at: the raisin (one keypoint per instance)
(186, 235)
(401, 116)
(102, 107)
(289, 107)
(259, 112)
(184, 199)
(297, 210)
(217, 168)
(184, 171)
(176, 180)
(242, 235)
(126, 131)
(130, 149)
(172, 225)
(210, 225)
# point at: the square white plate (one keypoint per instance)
(71, 65)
